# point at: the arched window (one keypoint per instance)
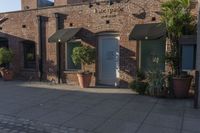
(29, 54)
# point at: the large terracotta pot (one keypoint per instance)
(181, 86)
(7, 74)
(84, 79)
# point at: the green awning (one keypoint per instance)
(64, 35)
(147, 31)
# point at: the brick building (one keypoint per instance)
(113, 27)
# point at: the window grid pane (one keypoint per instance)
(70, 64)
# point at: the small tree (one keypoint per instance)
(6, 56)
(176, 15)
(83, 55)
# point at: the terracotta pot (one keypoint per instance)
(84, 79)
(181, 86)
(7, 74)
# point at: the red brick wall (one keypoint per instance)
(28, 4)
(60, 2)
(120, 16)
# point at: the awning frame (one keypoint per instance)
(150, 31)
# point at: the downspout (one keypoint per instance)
(40, 42)
(58, 47)
(198, 44)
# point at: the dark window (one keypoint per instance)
(29, 55)
(4, 44)
(69, 49)
(188, 57)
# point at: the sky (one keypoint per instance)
(10, 5)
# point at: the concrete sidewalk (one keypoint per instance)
(96, 110)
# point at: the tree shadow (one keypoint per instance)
(128, 65)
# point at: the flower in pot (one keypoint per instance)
(84, 55)
(176, 15)
(6, 56)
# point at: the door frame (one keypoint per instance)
(99, 67)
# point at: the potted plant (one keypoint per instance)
(176, 15)
(139, 84)
(6, 56)
(84, 55)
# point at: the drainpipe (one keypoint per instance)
(198, 44)
(40, 21)
(58, 47)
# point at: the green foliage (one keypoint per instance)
(176, 15)
(156, 83)
(6, 56)
(155, 80)
(140, 75)
(83, 55)
(138, 86)
(30, 56)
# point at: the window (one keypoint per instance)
(29, 55)
(188, 57)
(69, 49)
(4, 44)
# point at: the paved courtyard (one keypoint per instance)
(32, 107)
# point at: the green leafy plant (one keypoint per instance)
(6, 56)
(83, 55)
(139, 84)
(156, 83)
(176, 15)
(140, 75)
(155, 79)
(30, 56)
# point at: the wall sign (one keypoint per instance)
(109, 12)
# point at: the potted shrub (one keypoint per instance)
(84, 55)
(6, 56)
(139, 84)
(176, 15)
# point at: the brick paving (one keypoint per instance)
(10, 124)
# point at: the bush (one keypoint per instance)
(6, 56)
(156, 82)
(140, 75)
(138, 86)
(83, 55)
